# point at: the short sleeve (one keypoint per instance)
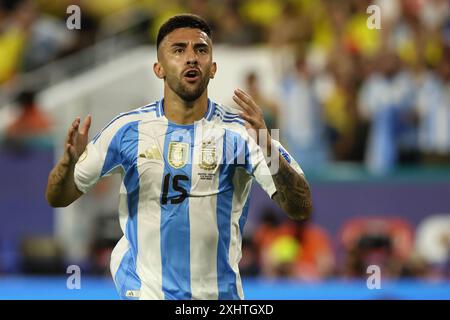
(286, 155)
(100, 158)
(260, 169)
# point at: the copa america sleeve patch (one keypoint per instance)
(285, 154)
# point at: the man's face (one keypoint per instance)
(185, 62)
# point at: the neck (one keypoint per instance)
(184, 112)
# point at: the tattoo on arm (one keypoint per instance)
(61, 190)
(293, 193)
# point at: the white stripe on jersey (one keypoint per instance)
(149, 212)
(203, 223)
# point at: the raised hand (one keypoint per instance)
(251, 113)
(76, 140)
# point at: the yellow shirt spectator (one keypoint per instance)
(12, 42)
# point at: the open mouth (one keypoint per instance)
(192, 75)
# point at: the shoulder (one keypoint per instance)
(228, 119)
(228, 116)
(126, 119)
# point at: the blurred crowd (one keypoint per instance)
(305, 251)
(347, 92)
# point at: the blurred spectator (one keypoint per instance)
(433, 244)
(233, 29)
(386, 100)
(433, 105)
(32, 126)
(372, 249)
(48, 38)
(315, 259)
(358, 38)
(297, 250)
(301, 118)
(385, 242)
(286, 29)
(336, 91)
(14, 27)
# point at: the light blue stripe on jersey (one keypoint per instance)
(175, 225)
(233, 146)
(126, 140)
(160, 108)
(210, 111)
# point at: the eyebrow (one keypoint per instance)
(185, 44)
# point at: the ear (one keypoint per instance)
(158, 70)
(213, 70)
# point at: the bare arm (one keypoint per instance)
(293, 193)
(61, 189)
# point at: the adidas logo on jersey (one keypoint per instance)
(152, 153)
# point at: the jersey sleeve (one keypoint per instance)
(100, 158)
(286, 155)
(260, 169)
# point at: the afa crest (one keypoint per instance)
(178, 154)
(208, 156)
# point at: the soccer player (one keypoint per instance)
(187, 165)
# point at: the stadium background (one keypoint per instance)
(365, 111)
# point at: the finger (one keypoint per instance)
(71, 130)
(249, 100)
(76, 122)
(69, 137)
(247, 118)
(86, 125)
(74, 128)
(66, 153)
(245, 97)
(243, 105)
(251, 105)
(242, 92)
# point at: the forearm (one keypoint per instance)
(293, 193)
(61, 190)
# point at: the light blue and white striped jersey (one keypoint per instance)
(183, 200)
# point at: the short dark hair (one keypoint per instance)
(185, 20)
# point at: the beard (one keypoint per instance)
(188, 92)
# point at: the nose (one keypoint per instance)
(191, 59)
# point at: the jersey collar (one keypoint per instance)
(208, 115)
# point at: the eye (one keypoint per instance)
(179, 50)
(203, 50)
